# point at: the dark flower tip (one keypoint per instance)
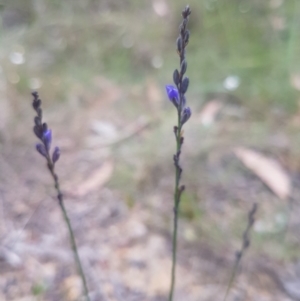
(36, 101)
(186, 114)
(173, 94)
(186, 12)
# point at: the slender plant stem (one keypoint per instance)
(176, 209)
(174, 254)
(183, 114)
(233, 273)
(177, 195)
(68, 223)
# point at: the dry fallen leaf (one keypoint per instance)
(71, 287)
(209, 112)
(96, 179)
(268, 170)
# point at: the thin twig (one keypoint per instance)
(245, 245)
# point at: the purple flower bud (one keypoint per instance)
(176, 77)
(183, 67)
(45, 127)
(178, 43)
(36, 101)
(37, 121)
(185, 85)
(56, 154)
(41, 149)
(47, 139)
(186, 37)
(38, 131)
(173, 94)
(186, 114)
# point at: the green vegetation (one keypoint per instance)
(65, 47)
(70, 43)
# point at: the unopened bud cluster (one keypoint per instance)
(176, 93)
(43, 133)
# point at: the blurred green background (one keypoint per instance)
(255, 42)
(100, 68)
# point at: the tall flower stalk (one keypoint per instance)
(45, 135)
(177, 97)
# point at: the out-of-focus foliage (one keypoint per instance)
(248, 47)
(101, 67)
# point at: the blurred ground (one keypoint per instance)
(100, 68)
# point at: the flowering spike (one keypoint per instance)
(41, 149)
(56, 154)
(177, 96)
(186, 114)
(45, 135)
(47, 139)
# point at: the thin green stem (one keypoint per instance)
(174, 254)
(236, 264)
(176, 208)
(75, 251)
(71, 233)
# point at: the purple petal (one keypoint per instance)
(41, 149)
(47, 139)
(173, 94)
(56, 154)
(186, 114)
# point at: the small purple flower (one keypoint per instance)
(47, 139)
(56, 154)
(41, 149)
(186, 114)
(173, 95)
